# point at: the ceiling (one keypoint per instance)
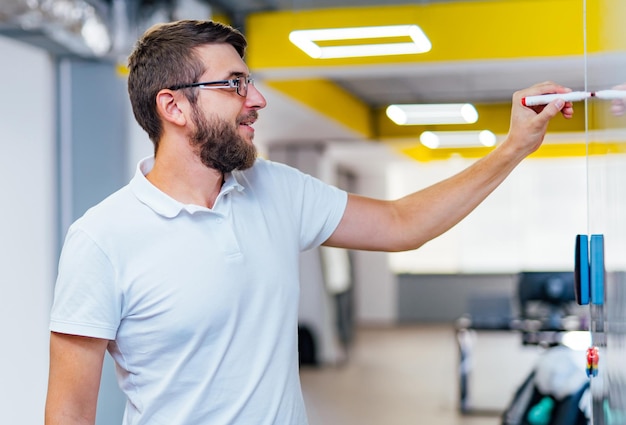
(238, 9)
(454, 81)
(481, 80)
(467, 81)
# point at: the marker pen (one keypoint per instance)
(610, 94)
(544, 99)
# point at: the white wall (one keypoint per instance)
(376, 291)
(27, 229)
(528, 223)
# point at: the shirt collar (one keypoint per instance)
(164, 204)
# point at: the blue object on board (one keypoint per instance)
(581, 270)
(596, 269)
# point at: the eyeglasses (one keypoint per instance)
(240, 84)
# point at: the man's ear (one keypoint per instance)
(169, 108)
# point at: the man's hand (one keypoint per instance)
(529, 123)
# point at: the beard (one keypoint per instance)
(219, 146)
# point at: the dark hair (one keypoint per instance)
(165, 56)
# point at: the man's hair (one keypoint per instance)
(166, 56)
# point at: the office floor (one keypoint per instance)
(408, 375)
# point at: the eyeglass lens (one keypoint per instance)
(242, 85)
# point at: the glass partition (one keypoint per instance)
(606, 198)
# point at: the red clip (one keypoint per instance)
(593, 356)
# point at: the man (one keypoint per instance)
(188, 276)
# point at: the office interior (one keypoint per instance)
(385, 330)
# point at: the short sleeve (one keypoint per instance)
(313, 206)
(322, 207)
(86, 300)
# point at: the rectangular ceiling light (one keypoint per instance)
(436, 113)
(458, 139)
(306, 41)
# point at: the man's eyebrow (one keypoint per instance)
(238, 74)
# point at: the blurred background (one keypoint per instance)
(384, 337)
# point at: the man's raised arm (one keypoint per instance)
(411, 221)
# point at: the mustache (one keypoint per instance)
(252, 115)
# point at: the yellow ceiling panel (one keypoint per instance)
(558, 150)
(458, 31)
(493, 117)
(604, 25)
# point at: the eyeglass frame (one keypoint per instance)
(233, 83)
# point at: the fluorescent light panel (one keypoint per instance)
(437, 113)
(457, 139)
(305, 41)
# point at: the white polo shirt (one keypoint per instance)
(200, 305)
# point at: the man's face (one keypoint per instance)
(222, 118)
